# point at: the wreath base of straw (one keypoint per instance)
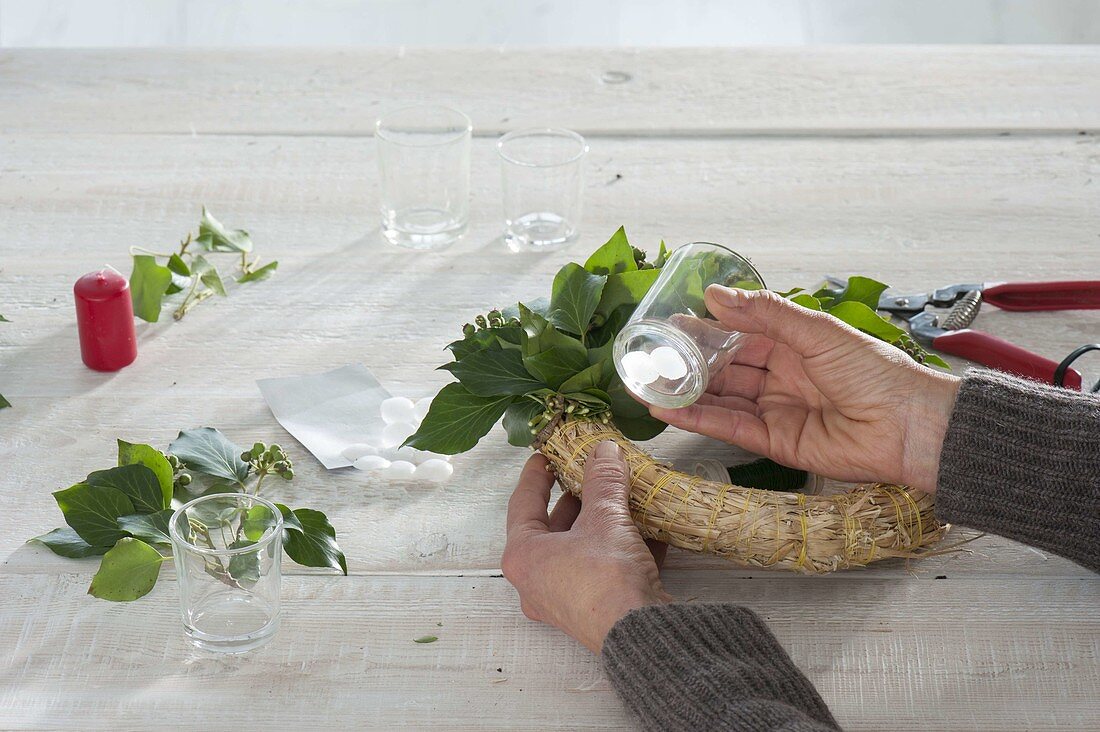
(752, 527)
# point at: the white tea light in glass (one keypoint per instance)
(672, 346)
(228, 548)
(424, 165)
(543, 179)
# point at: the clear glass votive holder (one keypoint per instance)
(543, 180)
(228, 549)
(672, 346)
(424, 167)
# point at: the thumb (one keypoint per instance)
(808, 332)
(606, 484)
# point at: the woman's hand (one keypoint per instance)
(811, 392)
(584, 566)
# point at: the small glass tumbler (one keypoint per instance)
(228, 548)
(543, 179)
(672, 346)
(424, 165)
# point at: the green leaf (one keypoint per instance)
(4, 402)
(4, 320)
(207, 450)
(591, 397)
(259, 274)
(494, 372)
(150, 527)
(615, 256)
(178, 266)
(627, 288)
(539, 335)
(517, 418)
(208, 273)
(457, 419)
(128, 571)
(136, 482)
(540, 305)
(93, 511)
(623, 405)
(934, 360)
(244, 568)
(588, 378)
(315, 544)
(137, 454)
(858, 315)
(148, 283)
(556, 365)
(259, 519)
(425, 639)
(806, 301)
(859, 289)
(67, 543)
(575, 295)
(214, 237)
(640, 428)
(662, 256)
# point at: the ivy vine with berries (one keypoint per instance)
(123, 513)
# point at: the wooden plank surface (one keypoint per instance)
(815, 91)
(873, 161)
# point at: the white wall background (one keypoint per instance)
(542, 22)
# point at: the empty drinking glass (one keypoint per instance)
(672, 346)
(228, 548)
(543, 179)
(424, 164)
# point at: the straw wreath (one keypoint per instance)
(752, 527)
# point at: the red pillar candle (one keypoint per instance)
(105, 319)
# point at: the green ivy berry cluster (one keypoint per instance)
(492, 319)
(266, 459)
(560, 406)
(180, 477)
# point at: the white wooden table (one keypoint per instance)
(919, 166)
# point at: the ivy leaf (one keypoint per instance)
(244, 568)
(623, 405)
(457, 419)
(259, 519)
(137, 482)
(627, 288)
(491, 373)
(486, 339)
(859, 289)
(556, 365)
(539, 335)
(615, 256)
(67, 543)
(149, 282)
(934, 360)
(588, 378)
(206, 450)
(178, 266)
(259, 274)
(640, 428)
(4, 320)
(860, 316)
(315, 544)
(214, 237)
(150, 527)
(540, 305)
(575, 295)
(4, 402)
(425, 639)
(517, 418)
(662, 256)
(208, 273)
(128, 571)
(806, 301)
(93, 511)
(136, 454)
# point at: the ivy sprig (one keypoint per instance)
(122, 513)
(190, 270)
(547, 360)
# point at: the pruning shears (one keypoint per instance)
(950, 332)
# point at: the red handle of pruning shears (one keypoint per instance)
(1001, 355)
(1079, 295)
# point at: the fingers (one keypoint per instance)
(527, 506)
(606, 483)
(565, 512)
(762, 311)
(741, 428)
(738, 380)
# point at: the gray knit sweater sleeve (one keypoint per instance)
(709, 667)
(1023, 460)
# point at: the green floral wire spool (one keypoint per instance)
(545, 367)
